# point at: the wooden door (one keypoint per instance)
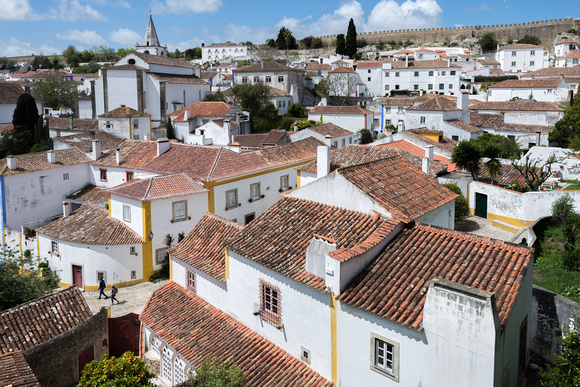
(77, 276)
(87, 356)
(481, 205)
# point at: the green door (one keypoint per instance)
(481, 205)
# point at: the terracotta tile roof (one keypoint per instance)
(358, 154)
(15, 371)
(83, 141)
(404, 52)
(396, 185)
(342, 70)
(565, 41)
(527, 83)
(416, 150)
(163, 60)
(426, 130)
(159, 187)
(273, 92)
(274, 137)
(446, 143)
(91, 225)
(520, 47)
(489, 62)
(266, 67)
(554, 72)
(397, 101)
(508, 175)
(63, 123)
(203, 109)
(394, 286)
(211, 164)
(573, 54)
(496, 71)
(312, 74)
(179, 79)
(228, 44)
(436, 104)
(464, 126)
(125, 67)
(90, 194)
(208, 74)
(339, 110)
(330, 129)
(523, 105)
(207, 331)
(204, 247)
(6, 128)
(313, 66)
(424, 64)
(496, 121)
(10, 92)
(30, 162)
(278, 239)
(423, 49)
(134, 154)
(250, 140)
(124, 112)
(34, 322)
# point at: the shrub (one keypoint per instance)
(461, 205)
(127, 370)
(567, 369)
(214, 373)
(296, 110)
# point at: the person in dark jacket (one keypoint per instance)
(102, 289)
(114, 292)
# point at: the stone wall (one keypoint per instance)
(55, 362)
(545, 30)
(550, 312)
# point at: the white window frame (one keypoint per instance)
(190, 280)
(268, 79)
(381, 347)
(179, 210)
(66, 176)
(127, 213)
(54, 247)
(132, 250)
(231, 198)
(284, 182)
(101, 275)
(280, 78)
(422, 119)
(255, 191)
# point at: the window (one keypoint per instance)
(280, 78)
(244, 79)
(396, 74)
(422, 120)
(514, 53)
(350, 140)
(430, 73)
(368, 71)
(532, 63)
(231, 198)
(387, 109)
(513, 64)
(387, 122)
(128, 176)
(415, 87)
(133, 274)
(270, 303)
(443, 73)
(455, 138)
(101, 275)
(335, 144)
(452, 73)
(511, 137)
(344, 140)
(108, 124)
(126, 213)
(387, 74)
(283, 183)
(161, 256)
(255, 191)
(268, 79)
(441, 86)
(103, 174)
(396, 87)
(450, 86)
(369, 79)
(135, 124)
(430, 86)
(416, 73)
(65, 176)
(532, 53)
(249, 217)
(400, 110)
(387, 87)
(179, 211)
(54, 247)
(256, 79)
(190, 280)
(545, 53)
(132, 250)
(385, 356)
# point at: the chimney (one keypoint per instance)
(65, 209)
(51, 156)
(227, 125)
(429, 152)
(322, 161)
(118, 156)
(236, 147)
(327, 140)
(145, 137)
(463, 105)
(92, 135)
(96, 149)
(186, 114)
(425, 165)
(71, 124)
(538, 133)
(406, 60)
(11, 162)
(162, 146)
(296, 126)
(262, 65)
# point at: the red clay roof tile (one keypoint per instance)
(15, 371)
(159, 187)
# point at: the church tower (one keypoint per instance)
(151, 43)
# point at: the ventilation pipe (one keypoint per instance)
(322, 161)
(51, 156)
(96, 149)
(118, 156)
(65, 209)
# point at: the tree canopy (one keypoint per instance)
(126, 370)
(488, 42)
(350, 44)
(214, 373)
(529, 39)
(254, 99)
(467, 157)
(568, 127)
(566, 372)
(340, 45)
(56, 90)
(496, 145)
(285, 40)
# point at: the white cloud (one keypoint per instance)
(389, 15)
(237, 34)
(183, 6)
(125, 37)
(17, 10)
(15, 47)
(89, 38)
(73, 10)
(184, 45)
(481, 7)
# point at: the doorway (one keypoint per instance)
(77, 276)
(481, 205)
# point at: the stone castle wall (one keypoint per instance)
(545, 30)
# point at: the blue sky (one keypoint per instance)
(49, 26)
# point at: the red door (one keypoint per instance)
(87, 356)
(78, 276)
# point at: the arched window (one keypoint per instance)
(131, 61)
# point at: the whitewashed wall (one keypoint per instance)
(136, 209)
(115, 175)
(539, 94)
(443, 216)
(352, 122)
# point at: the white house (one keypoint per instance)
(68, 126)
(343, 81)
(546, 89)
(563, 47)
(427, 75)
(371, 74)
(352, 118)
(517, 58)
(125, 122)
(570, 74)
(330, 134)
(273, 74)
(390, 111)
(9, 94)
(219, 51)
(569, 60)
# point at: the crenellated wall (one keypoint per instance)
(544, 30)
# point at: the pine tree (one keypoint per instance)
(350, 45)
(340, 45)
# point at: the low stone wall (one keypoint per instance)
(550, 312)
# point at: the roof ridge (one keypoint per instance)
(149, 187)
(214, 165)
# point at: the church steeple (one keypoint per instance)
(151, 43)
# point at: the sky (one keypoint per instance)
(50, 26)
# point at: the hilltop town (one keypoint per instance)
(355, 210)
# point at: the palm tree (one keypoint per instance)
(492, 165)
(467, 157)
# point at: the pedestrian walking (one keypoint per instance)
(102, 289)
(114, 292)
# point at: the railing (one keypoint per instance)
(34, 224)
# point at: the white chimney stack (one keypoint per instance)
(295, 126)
(11, 162)
(145, 137)
(227, 125)
(327, 140)
(118, 156)
(71, 124)
(51, 156)
(186, 115)
(65, 209)
(425, 165)
(162, 146)
(96, 149)
(236, 147)
(322, 161)
(463, 105)
(538, 133)
(429, 152)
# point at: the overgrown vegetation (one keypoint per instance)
(488, 42)
(461, 205)
(215, 373)
(254, 98)
(567, 129)
(567, 369)
(127, 370)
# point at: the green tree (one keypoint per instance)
(219, 96)
(563, 210)
(71, 56)
(193, 53)
(285, 40)
(18, 286)
(566, 371)
(296, 110)
(169, 129)
(316, 43)
(214, 373)
(127, 370)
(307, 42)
(7, 64)
(350, 44)
(568, 127)
(528, 39)
(41, 62)
(56, 90)
(488, 42)
(340, 45)
(492, 165)
(271, 43)
(534, 172)
(366, 136)
(461, 205)
(254, 99)
(467, 157)
(121, 52)
(26, 121)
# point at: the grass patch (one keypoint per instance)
(574, 185)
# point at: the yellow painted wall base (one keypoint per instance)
(333, 338)
(517, 223)
(117, 284)
(505, 226)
